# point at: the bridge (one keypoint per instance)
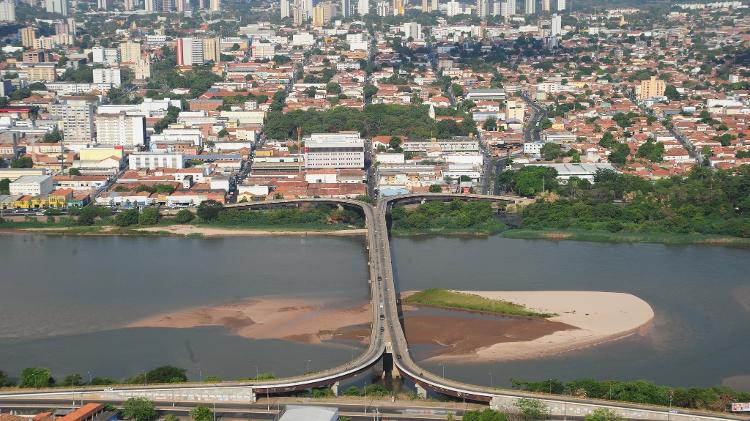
(387, 338)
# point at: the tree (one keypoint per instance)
(22, 162)
(485, 415)
(532, 409)
(139, 409)
(171, 417)
(36, 377)
(184, 216)
(671, 93)
(72, 380)
(166, 374)
(603, 414)
(653, 151)
(55, 136)
(551, 151)
(127, 218)
(620, 154)
(490, 124)
(201, 413)
(209, 210)
(74, 171)
(6, 381)
(435, 188)
(149, 216)
(394, 143)
(5, 186)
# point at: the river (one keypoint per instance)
(64, 300)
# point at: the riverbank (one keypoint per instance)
(627, 237)
(186, 230)
(582, 319)
(299, 320)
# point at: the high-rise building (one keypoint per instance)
(212, 49)
(142, 69)
(77, 115)
(121, 129)
(109, 75)
(103, 4)
(426, 6)
(384, 8)
(129, 4)
(651, 88)
(511, 8)
(561, 5)
(363, 7)
(189, 51)
(530, 7)
(546, 6)
(130, 52)
(453, 8)
(215, 5)
(56, 6)
(483, 8)
(318, 17)
(103, 55)
(434, 5)
(152, 5)
(412, 30)
(284, 9)
(555, 25)
(28, 37)
(398, 8)
(7, 11)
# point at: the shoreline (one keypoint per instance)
(673, 239)
(181, 231)
(583, 319)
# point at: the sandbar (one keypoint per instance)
(299, 320)
(583, 319)
(226, 232)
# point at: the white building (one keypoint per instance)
(189, 51)
(7, 11)
(153, 160)
(57, 6)
(556, 25)
(32, 185)
(561, 5)
(453, 8)
(530, 7)
(121, 129)
(77, 115)
(412, 30)
(335, 150)
(103, 55)
(109, 75)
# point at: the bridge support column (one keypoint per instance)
(421, 391)
(335, 389)
(253, 396)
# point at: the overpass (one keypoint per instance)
(387, 337)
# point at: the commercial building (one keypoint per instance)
(581, 171)
(32, 185)
(153, 160)
(121, 129)
(514, 111)
(41, 72)
(103, 55)
(334, 150)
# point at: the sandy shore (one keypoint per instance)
(584, 319)
(300, 320)
(225, 232)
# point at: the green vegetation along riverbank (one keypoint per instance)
(443, 298)
(209, 216)
(707, 202)
(640, 391)
(456, 217)
(627, 237)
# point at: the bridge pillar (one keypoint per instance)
(421, 391)
(253, 396)
(335, 389)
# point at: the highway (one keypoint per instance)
(387, 336)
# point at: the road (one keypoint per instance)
(531, 131)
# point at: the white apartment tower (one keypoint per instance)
(57, 6)
(7, 11)
(77, 115)
(561, 5)
(555, 25)
(546, 6)
(284, 9)
(530, 7)
(483, 8)
(121, 129)
(363, 7)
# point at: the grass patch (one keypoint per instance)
(628, 237)
(443, 298)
